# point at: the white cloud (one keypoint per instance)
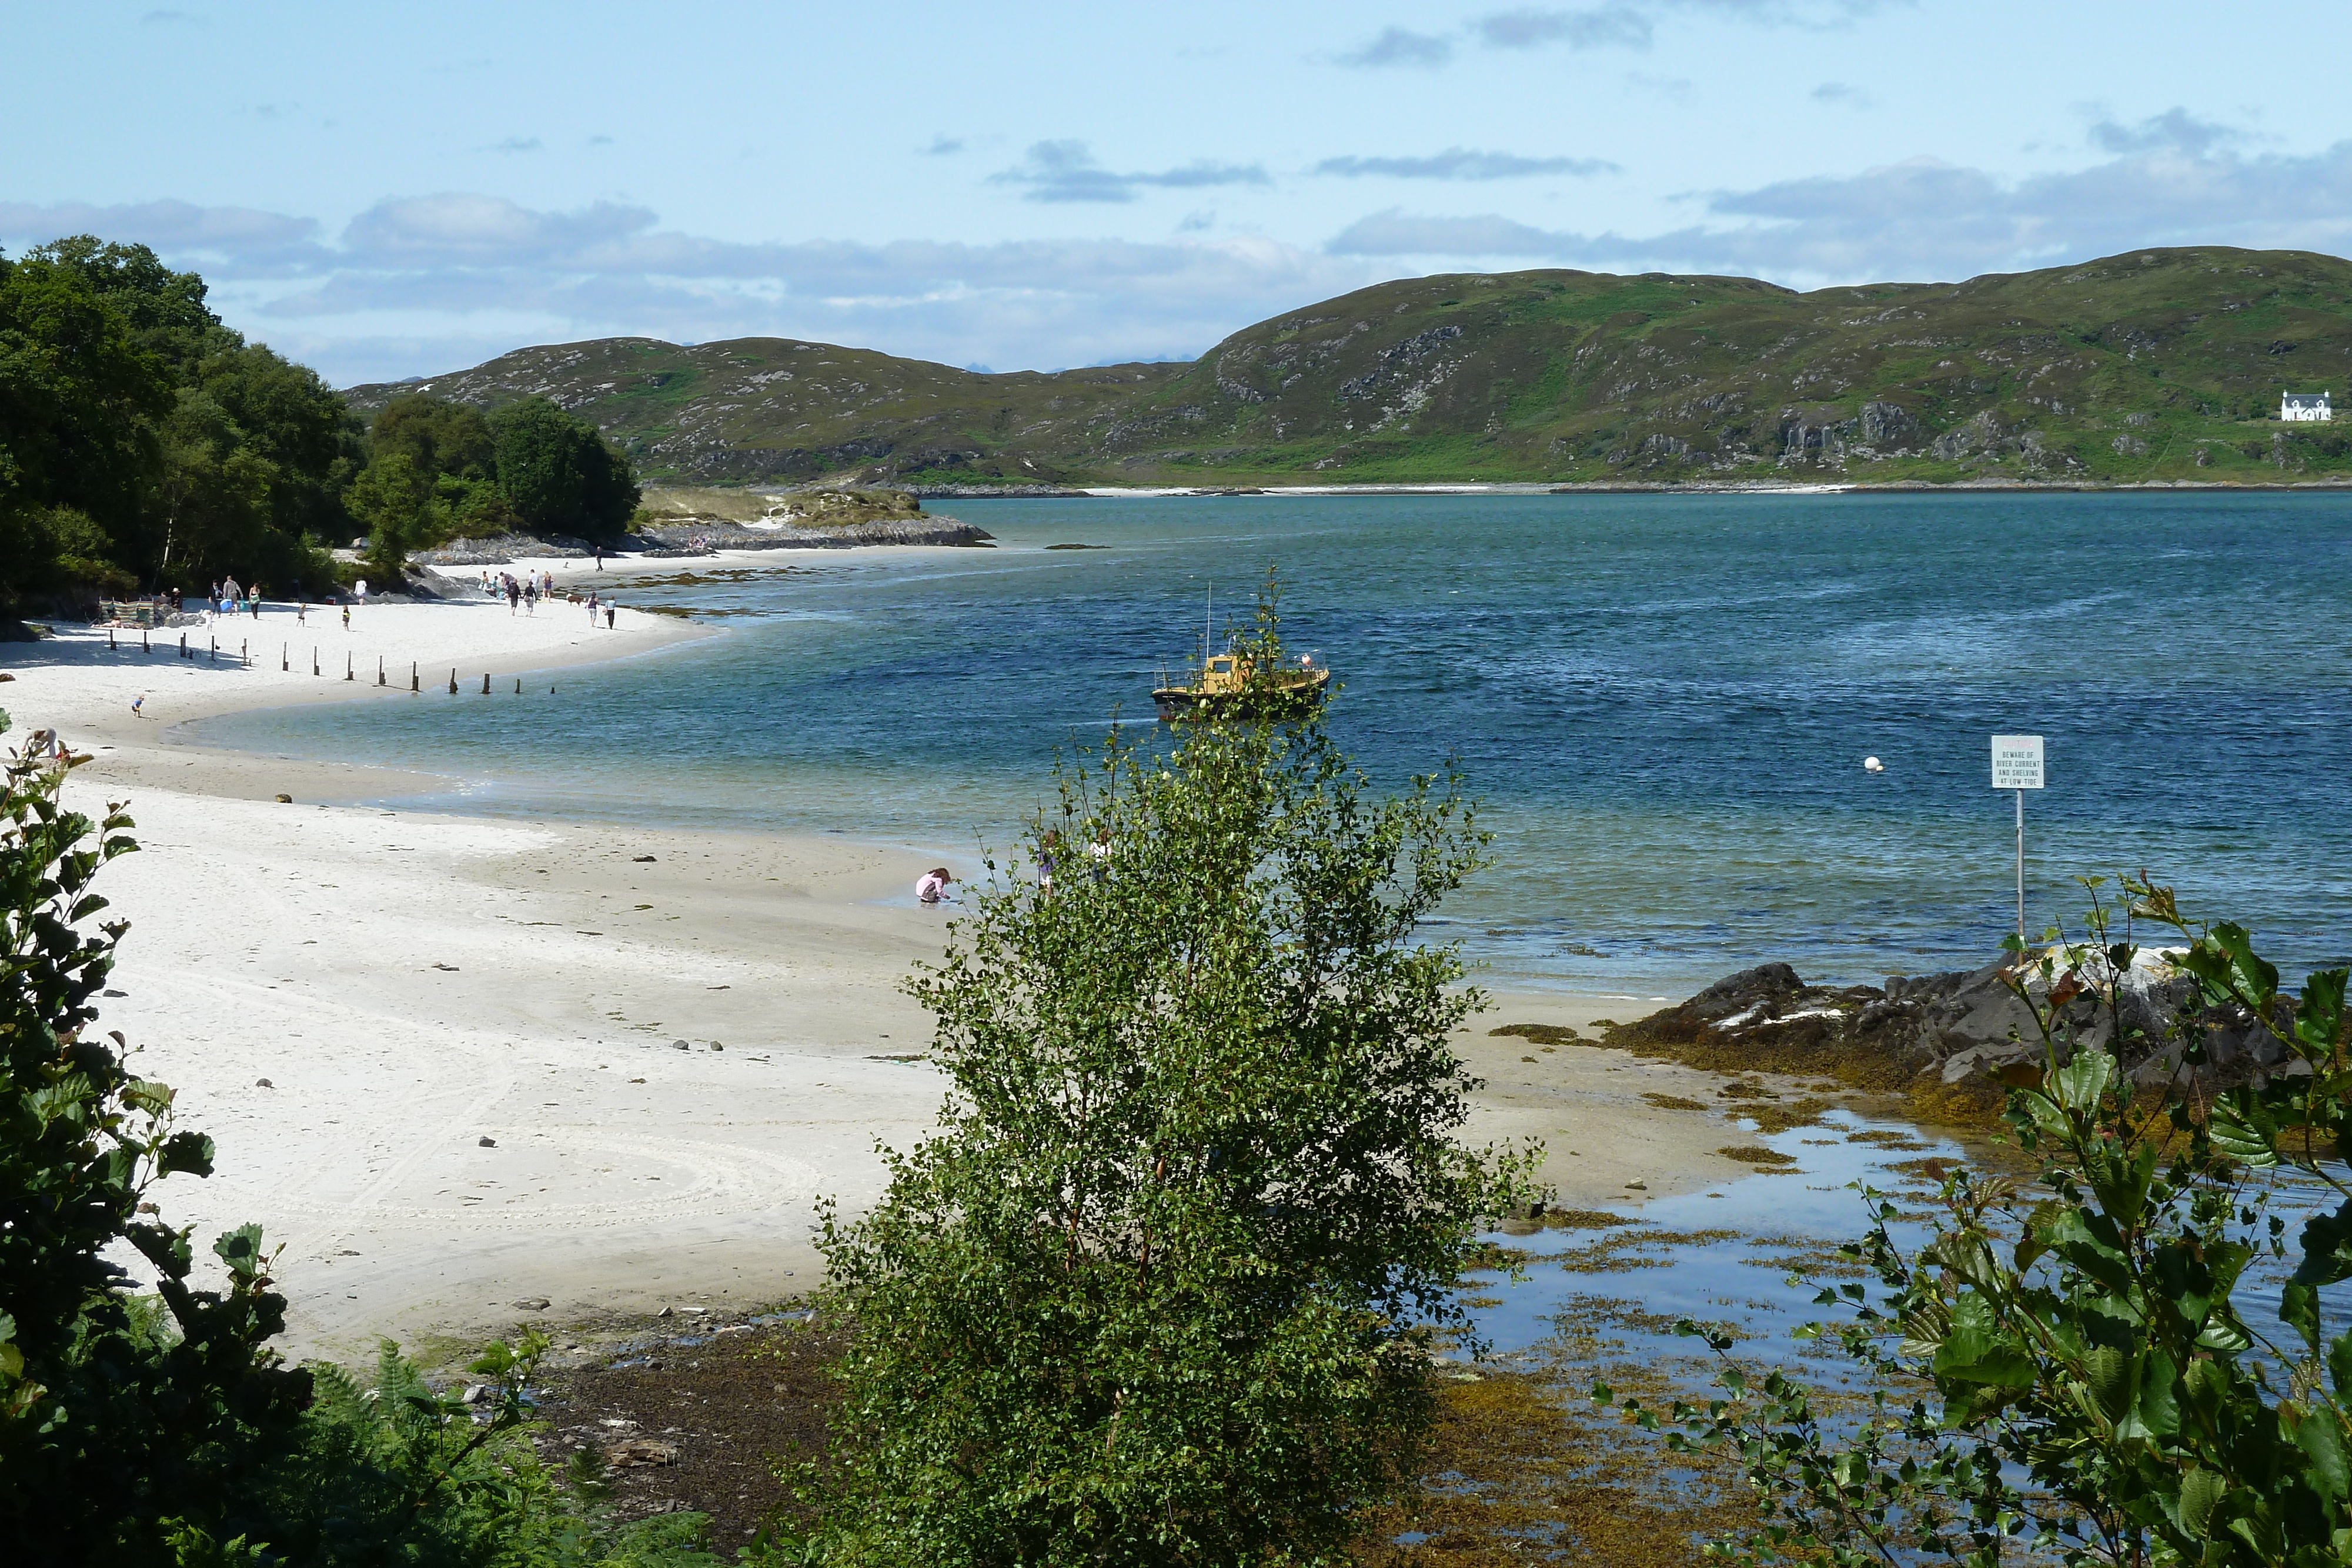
(1066, 171)
(1619, 26)
(1462, 163)
(234, 241)
(1926, 219)
(1401, 47)
(1614, 25)
(2176, 129)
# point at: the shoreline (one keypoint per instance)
(1984, 484)
(441, 1053)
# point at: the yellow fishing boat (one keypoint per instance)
(1230, 684)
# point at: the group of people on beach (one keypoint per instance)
(524, 593)
(933, 886)
(521, 593)
(229, 598)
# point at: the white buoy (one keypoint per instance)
(1872, 765)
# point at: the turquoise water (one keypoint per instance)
(1663, 702)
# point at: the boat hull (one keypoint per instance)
(1174, 703)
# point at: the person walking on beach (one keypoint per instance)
(592, 612)
(600, 558)
(933, 887)
(514, 596)
(347, 617)
(609, 608)
(136, 704)
(302, 612)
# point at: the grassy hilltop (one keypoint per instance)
(2159, 364)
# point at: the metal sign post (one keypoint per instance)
(2017, 765)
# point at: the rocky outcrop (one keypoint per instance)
(1955, 1042)
(697, 538)
(996, 492)
(1888, 424)
(503, 549)
(809, 520)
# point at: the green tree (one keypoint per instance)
(560, 474)
(79, 397)
(213, 493)
(451, 444)
(2068, 1375)
(1151, 1292)
(436, 434)
(394, 497)
(233, 459)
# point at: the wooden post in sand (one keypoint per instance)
(285, 656)
(184, 644)
(109, 636)
(518, 685)
(486, 683)
(379, 669)
(142, 641)
(412, 678)
(244, 652)
(216, 649)
(452, 681)
(314, 658)
(347, 673)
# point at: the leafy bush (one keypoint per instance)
(1149, 1294)
(2069, 1376)
(121, 1421)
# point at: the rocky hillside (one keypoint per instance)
(2157, 364)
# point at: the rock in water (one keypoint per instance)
(1955, 1042)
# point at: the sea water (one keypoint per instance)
(1663, 703)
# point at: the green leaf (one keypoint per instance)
(188, 1154)
(2321, 1438)
(2201, 1490)
(240, 1249)
(2242, 1131)
(2319, 1015)
(1976, 1351)
(2079, 1084)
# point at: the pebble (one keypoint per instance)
(263, 1083)
(1637, 1185)
(487, 1143)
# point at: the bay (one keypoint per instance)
(1663, 701)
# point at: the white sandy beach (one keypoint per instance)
(475, 1096)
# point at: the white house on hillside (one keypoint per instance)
(2300, 407)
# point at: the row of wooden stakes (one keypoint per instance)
(285, 662)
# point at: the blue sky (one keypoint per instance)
(389, 190)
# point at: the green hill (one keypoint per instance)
(2154, 364)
